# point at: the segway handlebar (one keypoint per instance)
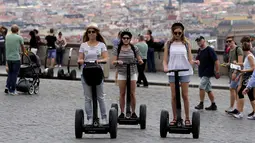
(128, 63)
(177, 70)
(91, 62)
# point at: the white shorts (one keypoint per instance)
(124, 77)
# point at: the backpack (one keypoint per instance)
(132, 48)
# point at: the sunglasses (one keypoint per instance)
(228, 41)
(177, 33)
(125, 38)
(89, 32)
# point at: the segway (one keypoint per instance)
(179, 127)
(142, 114)
(47, 72)
(68, 75)
(93, 76)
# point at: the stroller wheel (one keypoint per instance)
(31, 90)
(36, 89)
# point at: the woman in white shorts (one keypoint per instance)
(125, 53)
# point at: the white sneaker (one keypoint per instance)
(60, 66)
(104, 121)
(90, 122)
(238, 116)
(229, 110)
(13, 93)
(56, 66)
(251, 117)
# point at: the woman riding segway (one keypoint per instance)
(177, 55)
(126, 53)
(93, 48)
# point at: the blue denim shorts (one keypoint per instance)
(205, 84)
(181, 79)
(234, 84)
(51, 53)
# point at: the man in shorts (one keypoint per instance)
(235, 57)
(207, 61)
(51, 40)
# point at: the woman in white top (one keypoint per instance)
(248, 68)
(177, 55)
(93, 48)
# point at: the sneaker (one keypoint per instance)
(213, 107)
(90, 122)
(104, 121)
(138, 84)
(230, 109)
(251, 114)
(238, 115)
(233, 112)
(251, 117)
(13, 93)
(6, 90)
(122, 115)
(128, 114)
(56, 66)
(134, 116)
(60, 66)
(200, 106)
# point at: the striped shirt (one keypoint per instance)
(126, 57)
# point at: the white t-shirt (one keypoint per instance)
(178, 59)
(92, 53)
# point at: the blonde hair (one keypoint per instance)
(15, 28)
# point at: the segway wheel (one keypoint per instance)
(79, 121)
(31, 90)
(195, 124)
(36, 87)
(50, 73)
(164, 122)
(60, 73)
(113, 120)
(142, 116)
(115, 106)
(73, 75)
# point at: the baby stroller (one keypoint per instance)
(29, 74)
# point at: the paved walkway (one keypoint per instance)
(158, 78)
(49, 116)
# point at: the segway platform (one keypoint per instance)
(179, 127)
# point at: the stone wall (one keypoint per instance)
(158, 57)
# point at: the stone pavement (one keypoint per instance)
(49, 116)
(158, 78)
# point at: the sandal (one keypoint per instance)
(172, 123)
(187, 123)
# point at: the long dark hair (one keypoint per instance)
(121, 42)
(98, 38)
(32, 34)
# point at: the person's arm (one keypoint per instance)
(22, 46)
(165, 58)
(64, 42)
(138, 55)
(114, 58)
(81, 55)
(251, 82)
(190, 54)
